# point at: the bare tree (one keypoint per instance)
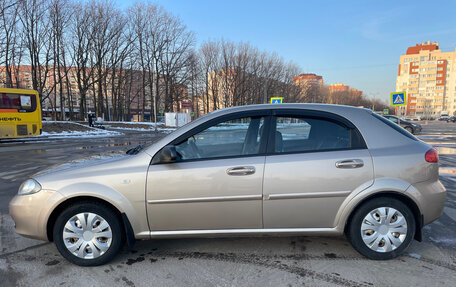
(10, 41)
(175, 60)
(35, 25)
(209, 57)
(59, 18)
(106, 24)
(82, 52)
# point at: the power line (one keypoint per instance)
(355, 67)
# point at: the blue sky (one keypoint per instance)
(353, 42)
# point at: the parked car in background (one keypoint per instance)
(451, 119)
(308, 169)
(413, 118)
(413, 128)
(444, 118)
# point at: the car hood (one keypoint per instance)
(86, 162)
(91, 169)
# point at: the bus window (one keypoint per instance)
(21, 103)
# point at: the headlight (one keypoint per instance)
(28, 187)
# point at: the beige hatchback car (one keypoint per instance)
(307, 169)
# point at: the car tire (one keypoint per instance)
(384, 243)
(79, 224)
(409, 129)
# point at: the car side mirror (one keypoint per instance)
(168, 154)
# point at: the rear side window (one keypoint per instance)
(395, 126)
(19, 102)
(309, 134)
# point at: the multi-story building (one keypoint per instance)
(428, 75)
(342, 94)
(132, 92)
(310, 86)
(308, 80)
(338, 88)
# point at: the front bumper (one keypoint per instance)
(31, 212)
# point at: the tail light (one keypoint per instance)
(432, 155)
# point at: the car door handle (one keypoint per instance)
(350, 163)
(241, 170)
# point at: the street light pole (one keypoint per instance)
(154, 88)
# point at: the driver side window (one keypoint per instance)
(236, 137)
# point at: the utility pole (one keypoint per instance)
(265, 92)
(154, 89)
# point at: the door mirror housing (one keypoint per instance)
(167, 154)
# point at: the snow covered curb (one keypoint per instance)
(134, 123)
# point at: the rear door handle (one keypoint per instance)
(241, 170)
(350, 163)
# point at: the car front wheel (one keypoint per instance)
(410, 130)
(88, 234)
(381, 228)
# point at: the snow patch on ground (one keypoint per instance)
(449, 241)
(79, 134)
(414, 255)
(162, 130)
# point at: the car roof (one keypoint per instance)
(310, 106)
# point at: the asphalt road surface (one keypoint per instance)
(264, 261)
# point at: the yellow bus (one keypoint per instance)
(20, 113)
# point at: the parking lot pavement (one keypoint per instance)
(275, 261)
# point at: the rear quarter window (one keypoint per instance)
(395, 126)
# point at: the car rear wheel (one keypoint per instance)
(381, 228)
(88, 234)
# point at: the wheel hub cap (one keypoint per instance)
(87, 235)
(384, 229)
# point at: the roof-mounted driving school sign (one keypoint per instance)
(277, 100)
(398, 99)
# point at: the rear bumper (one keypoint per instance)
(430, 197)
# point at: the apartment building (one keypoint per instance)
(338, 88)
(308, 80)
(310, 86)
(428, 75)
(132, 92)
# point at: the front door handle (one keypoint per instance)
(241, 170)
(350, 163)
